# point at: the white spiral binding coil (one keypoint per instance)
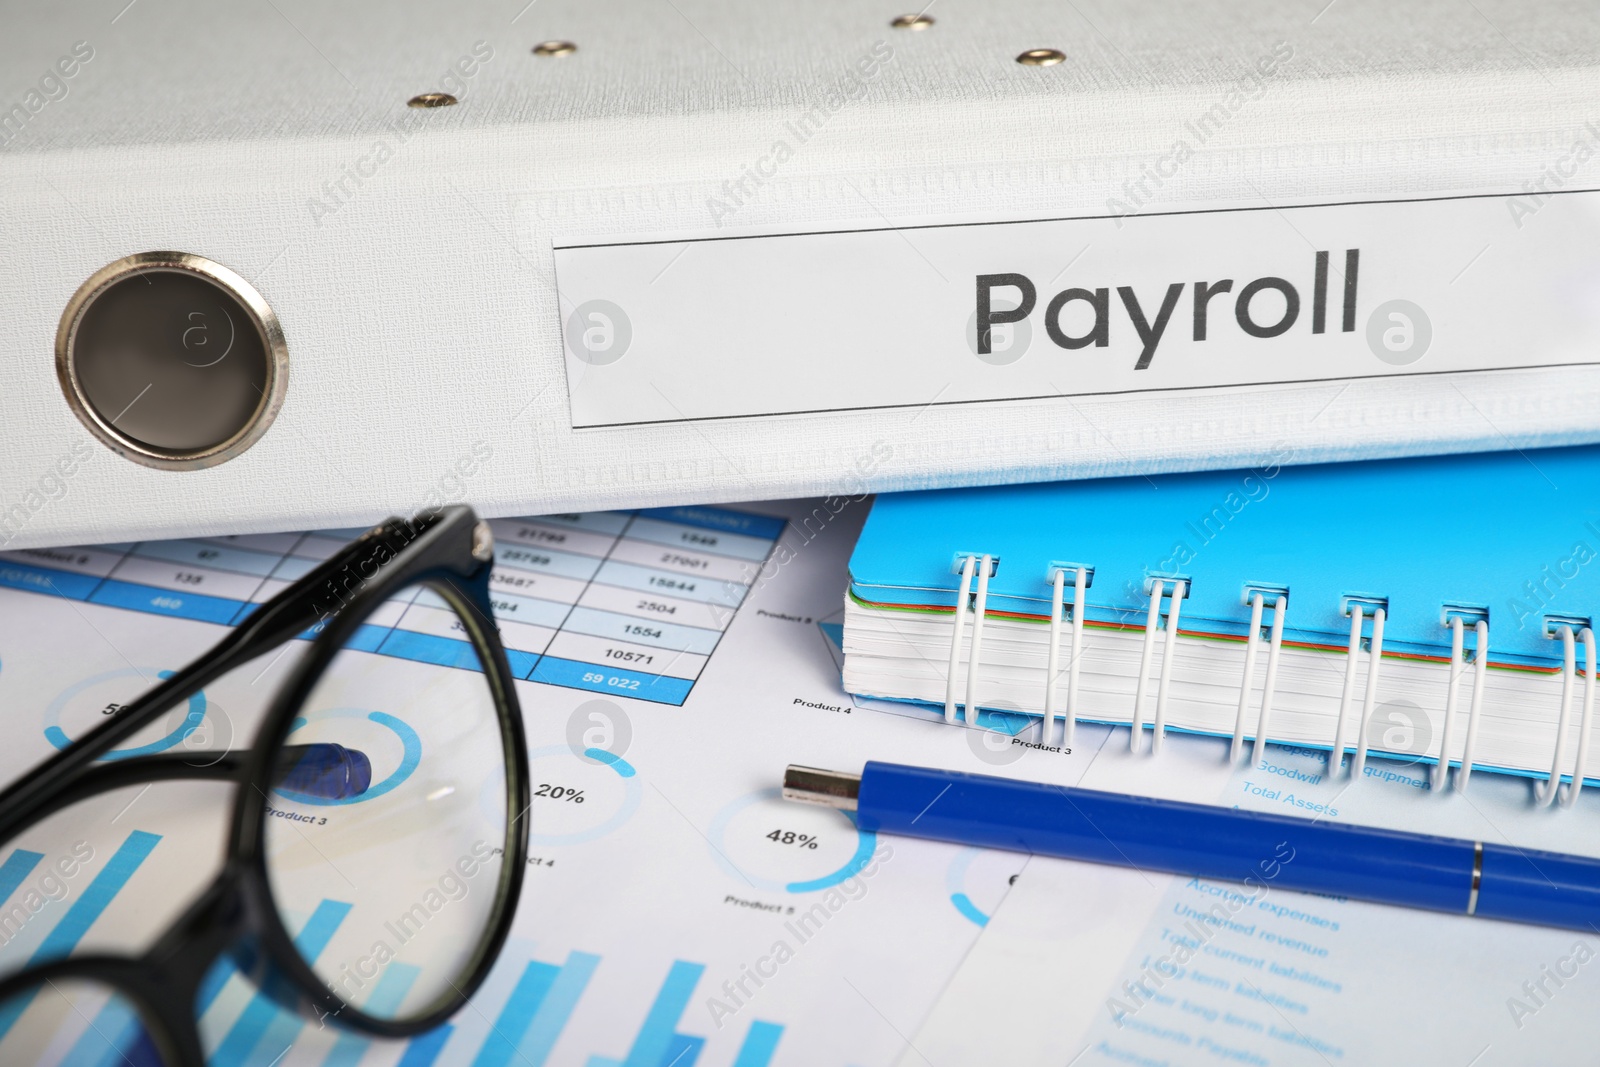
(1079, 606)
(1158, 590)
(980, 603)
(1168, 651)
(1441, 770)
(1545, 793)
(1352, 651)
(1280, 608)
(955, 639)
(1080, 581)
(1136, 724)
(1549, 790)
(1248, 684)
(1480, 671)
(1374, 660)
(1052, 664)
(1570, 797)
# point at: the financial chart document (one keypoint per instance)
(1104, 965)
(612, 602)
(676, 910)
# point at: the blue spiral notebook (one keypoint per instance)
(1435, 609)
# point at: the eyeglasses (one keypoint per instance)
(378, 904)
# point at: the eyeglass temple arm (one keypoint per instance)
(304, 604)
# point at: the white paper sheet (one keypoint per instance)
(1086, 964)
(658, 896)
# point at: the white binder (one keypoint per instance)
(725, 251)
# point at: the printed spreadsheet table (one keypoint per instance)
(628, 603)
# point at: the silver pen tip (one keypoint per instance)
(811, 785)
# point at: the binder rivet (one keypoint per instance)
(912, 22)
(1041, 57)
(554, 48)
(431, 100)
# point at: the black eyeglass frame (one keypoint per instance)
(450, 551)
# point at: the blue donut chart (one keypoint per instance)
(955, 881)
(633, 795)
(866, 843)
(612, 760)
(191, 720)
(968, 909)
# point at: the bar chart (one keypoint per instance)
(243, 1025)
(18, 909)
(627, 603)
(525, 1029)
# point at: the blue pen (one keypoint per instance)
(1384, 866)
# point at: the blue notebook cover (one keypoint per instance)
(1515, 535)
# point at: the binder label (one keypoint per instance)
(767, 325)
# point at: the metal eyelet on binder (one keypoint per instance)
(1041, 57)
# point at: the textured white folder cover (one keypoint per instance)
(409, 253)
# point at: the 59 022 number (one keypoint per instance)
(611, 681)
